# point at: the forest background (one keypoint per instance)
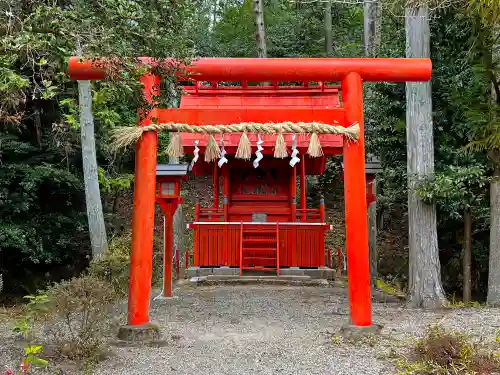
(44, 232)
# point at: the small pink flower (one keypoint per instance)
(8, 372)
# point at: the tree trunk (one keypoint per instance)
(97, 228)
(371, 21)
(260, 31)
(371, 18)
(425, 287)
(467, 257)
(95, 215)
(493, 298)
(328, 29)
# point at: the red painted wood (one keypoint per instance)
(167, 252)
(293, 193)
(277, 249)
(197, 209)
(355, 208)
(330, 143)
(278, 69)
(303, 187)
(224, 116)
(236, 97)
(259, 241)
(314, 166)
(241, 249)
(141, 261)
(214, 106)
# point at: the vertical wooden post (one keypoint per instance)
(226, 192)
(358, 268)
(293, 194)
(303, 188)
(322, 215)
(277, 249)
(141, 261)
(197, 209)
(293, 230)
(225, 253)
(167, 251)
(216, 185)
(196, 231)
(241, 248)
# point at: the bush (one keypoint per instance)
(114, 266)
(79, 317)
(445, 352)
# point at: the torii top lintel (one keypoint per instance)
(284, 69)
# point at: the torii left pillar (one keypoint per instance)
(139, 327)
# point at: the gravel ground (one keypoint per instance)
(259, 329)
(277, 330)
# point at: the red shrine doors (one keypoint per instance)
(260, 194)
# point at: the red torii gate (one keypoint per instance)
(351, 72)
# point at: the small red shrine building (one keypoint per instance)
(255, 222)
(258, 224)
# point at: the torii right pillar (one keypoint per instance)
(358, 267)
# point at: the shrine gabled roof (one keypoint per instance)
(263, 104)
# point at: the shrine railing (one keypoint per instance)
(210, 214)
(311, 215)
(298, 215)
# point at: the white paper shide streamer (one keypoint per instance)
(294, 158)
(258, 153)
(195, 153)
(223, 158)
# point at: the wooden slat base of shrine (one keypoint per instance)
(221, 244)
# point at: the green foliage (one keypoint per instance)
(40, 208)
(114, 266)
(42, 213)
(43, 224)
(291, 30)
(114, 185)
(390, 288)
(463, 112)
(24, 326)
(454, 304)
(456, 189)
